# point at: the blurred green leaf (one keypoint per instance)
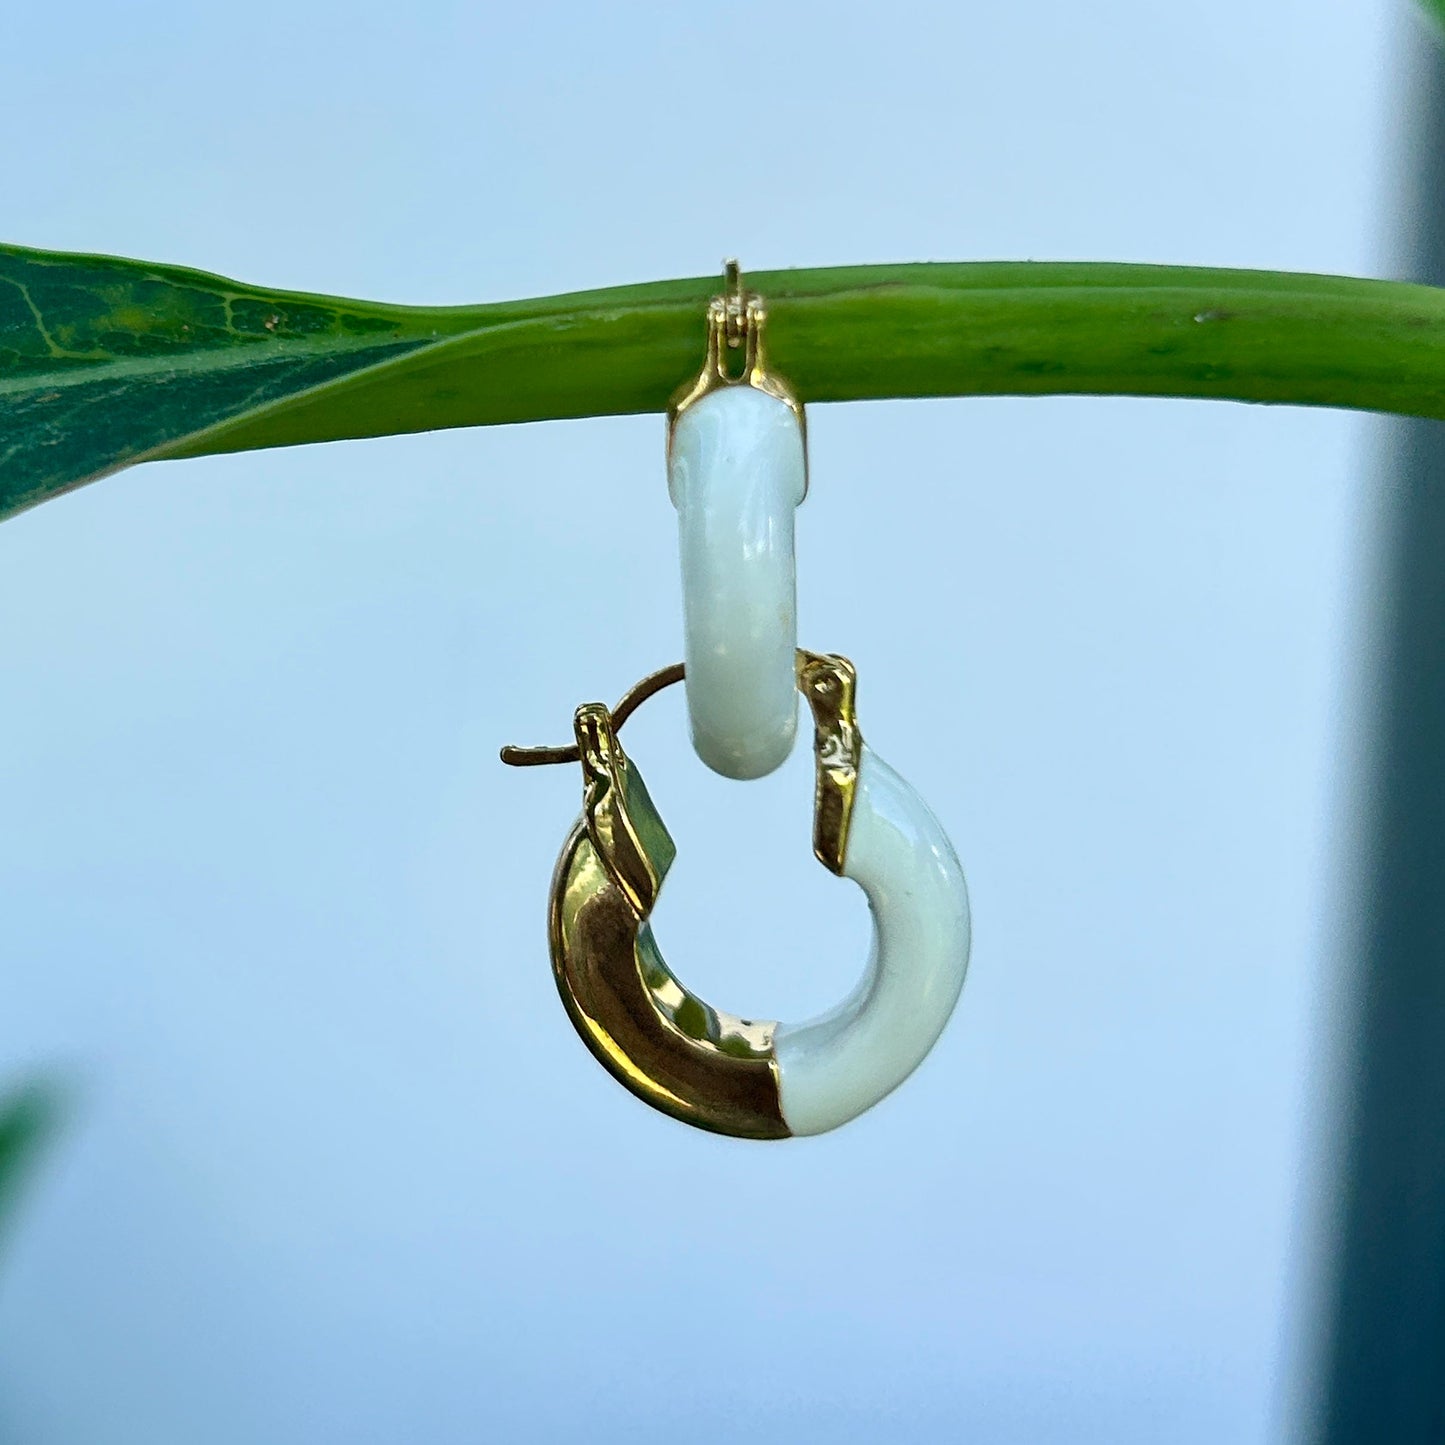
(28, 1117)
(106, 362)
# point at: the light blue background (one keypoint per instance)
(337, 1169)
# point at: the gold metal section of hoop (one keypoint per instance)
(736, 321)
(705, 1067)
(830, 685)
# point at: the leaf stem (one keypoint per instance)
(323, 368)
(927, 330)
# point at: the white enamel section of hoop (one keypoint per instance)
(835, 1066)
(737, 469)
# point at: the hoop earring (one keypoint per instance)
(712, 1069)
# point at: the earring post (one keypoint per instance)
(650, 686)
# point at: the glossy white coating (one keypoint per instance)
(835, 1066)
(736, 472)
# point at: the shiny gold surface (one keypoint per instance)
(736, 320)
(670, 1048)
(675, 1052)
(830, 685)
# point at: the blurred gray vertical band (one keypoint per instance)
(1384, 1376)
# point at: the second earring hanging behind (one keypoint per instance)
(736, 470)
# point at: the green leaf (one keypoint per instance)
(105, 362)
(27, 1117)
(1435, 9)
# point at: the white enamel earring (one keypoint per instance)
(713, 1069)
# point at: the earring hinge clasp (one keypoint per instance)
(736, 321)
